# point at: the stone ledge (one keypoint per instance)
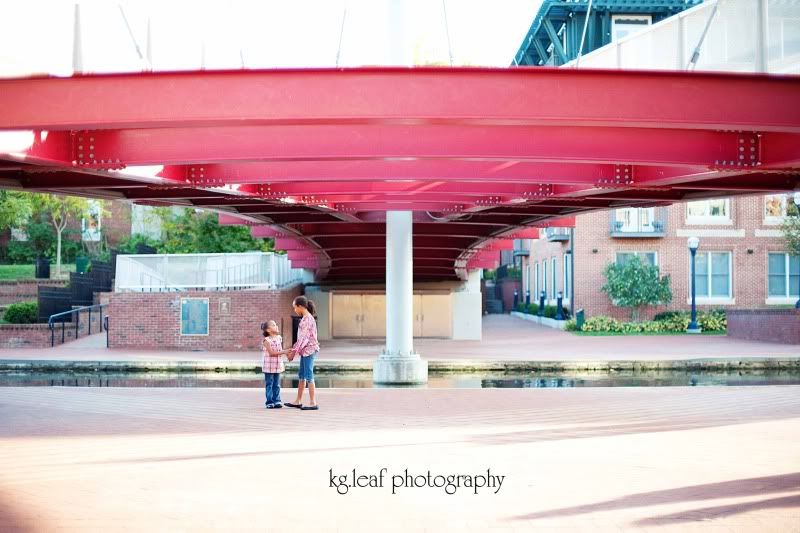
(440, 365)
(542, 321)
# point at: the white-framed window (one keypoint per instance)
(624, 25)
(528, 277)
(90, 223)
(554, 273)
(535, 294)
(646, 257)
(713, 275)
(544, 277)
(716, 211)
(783, 276)
(567, 276)
(775, 208)
(635, 220)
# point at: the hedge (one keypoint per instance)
(671, 322)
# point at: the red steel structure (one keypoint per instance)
(315, 158)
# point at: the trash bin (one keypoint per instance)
(42, 268)
(81, 264)
(579, 318)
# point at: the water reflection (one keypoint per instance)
(516, 380)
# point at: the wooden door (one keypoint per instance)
(373, 315)
(346, 314)
(418, 315)
(437, 315)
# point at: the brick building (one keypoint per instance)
(741, 262)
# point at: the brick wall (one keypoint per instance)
(152, 320)
(595, 248)
(38, 335)
(24, 291)
(771, 325)
(505, 290)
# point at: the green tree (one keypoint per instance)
(60, 210)
(192, 232)
(636, 284)
(791, 229)
(15, 208)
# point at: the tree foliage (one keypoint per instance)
(59, 210)
(791, 230)
(192, 232)
(15, 209)
(635, 285)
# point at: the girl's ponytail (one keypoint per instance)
(302, 301)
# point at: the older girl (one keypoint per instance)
(307, 347)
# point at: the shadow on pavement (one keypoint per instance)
(726, 489)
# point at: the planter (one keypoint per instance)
(542, 321)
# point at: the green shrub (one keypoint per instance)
(22, 313)
(707, 320)
(713, 321)
(668, 322)
(602, 324)
(20, 253)
(571, 325)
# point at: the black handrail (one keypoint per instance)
(77, 313)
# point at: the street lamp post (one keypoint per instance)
(796, 198)
(693, 244)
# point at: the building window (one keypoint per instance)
(776, 207)
(544, 277)
(527, 277)
(650, 258)
(713, 275)
(554, 273)
(90, 223)
(709, 211)
(624, 25)
(535, 294)
(784, 276)
(635, 220)
(567, 276)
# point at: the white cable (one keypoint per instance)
(447, 32)
(696, 53)
(583, 35)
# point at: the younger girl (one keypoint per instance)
(272, 363)
(307, 348)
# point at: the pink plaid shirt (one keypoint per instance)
(307, 336)
(271, 364)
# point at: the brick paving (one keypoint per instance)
(504, 338)
(652, 459)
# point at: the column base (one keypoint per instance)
(400, 371)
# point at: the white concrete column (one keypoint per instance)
(399, 284)
(399, 363)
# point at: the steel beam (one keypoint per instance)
(717, 101)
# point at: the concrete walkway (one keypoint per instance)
(653, 459)
(508, 343)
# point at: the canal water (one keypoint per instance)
(482, 380)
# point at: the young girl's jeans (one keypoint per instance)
(272, 384)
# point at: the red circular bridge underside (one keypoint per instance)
(316, 157)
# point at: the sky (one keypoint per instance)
(36, 36)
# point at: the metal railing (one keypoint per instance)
(557, 234)
(210, 272)
(51, 322)
(637, 223)
(743, 36)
